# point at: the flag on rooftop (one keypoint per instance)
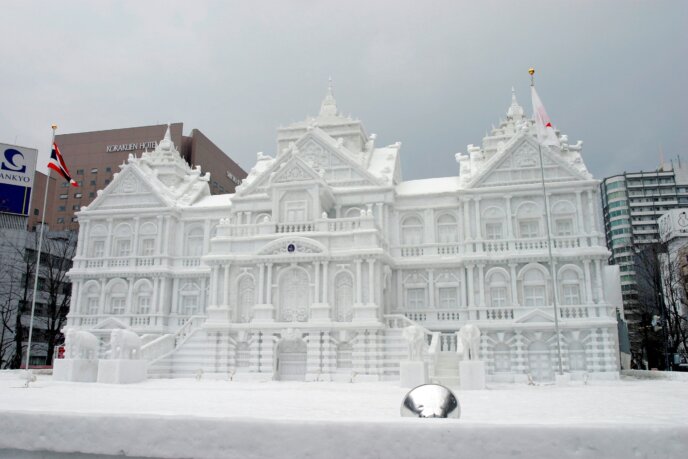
(543, 125)
(58, 165)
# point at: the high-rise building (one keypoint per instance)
(94, 157)
(631, 204)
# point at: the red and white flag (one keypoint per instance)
(543, 126)
(57, 164)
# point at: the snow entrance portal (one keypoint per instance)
(291, 360)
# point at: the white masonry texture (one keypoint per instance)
(311, 270)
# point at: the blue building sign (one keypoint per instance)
(17, 169)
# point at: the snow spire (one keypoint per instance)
(515, 111)
(328, 107)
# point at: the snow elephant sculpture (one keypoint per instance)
(468, 342)
(80, 344)
(125, 344)
(415, 336)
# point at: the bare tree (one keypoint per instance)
(662, 295)
(16, 293)
(9, 286)
(55, 262)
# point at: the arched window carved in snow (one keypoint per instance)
(294, 295)
(344, 297)
(570, 287)
(194, 242)
(122, 235)
(447, 229)
(190, 299)
(91, 305)
(412, 231)
(494, 223)
(246, 299)
(498, 288)
(147, 239)
(143, 294)
(529, 216)
(117, 297)
(534, 288)
(563, 219)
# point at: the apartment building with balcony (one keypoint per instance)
(631, 204)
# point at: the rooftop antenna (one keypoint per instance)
(661, 158)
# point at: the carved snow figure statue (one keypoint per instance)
(469, 342)
(125, 345)
(415, 336)
(80, 345)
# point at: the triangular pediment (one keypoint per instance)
(323, 157)
(333, 161)
(519, 163)
(129, 189)
(535, 316)
(294, 170)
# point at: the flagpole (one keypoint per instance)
(531, 71)
(38, 266)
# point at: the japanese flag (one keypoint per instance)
(543, 126)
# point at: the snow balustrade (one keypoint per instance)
(140, 322)
(322, 225)
(137, 261)
(491, 246)
(506, 314)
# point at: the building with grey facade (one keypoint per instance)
(631, 204)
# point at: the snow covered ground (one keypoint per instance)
(220, 419)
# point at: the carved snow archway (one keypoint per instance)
(291, 360)
(294, 295)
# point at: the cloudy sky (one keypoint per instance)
(432, 74)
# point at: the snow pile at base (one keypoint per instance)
(219, 419)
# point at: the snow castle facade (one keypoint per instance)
(323, 255)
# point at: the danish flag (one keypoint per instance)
(57, 164)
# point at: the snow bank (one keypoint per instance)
(221, 419)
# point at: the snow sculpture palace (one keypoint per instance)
(311, 270)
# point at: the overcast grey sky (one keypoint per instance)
(433, 74)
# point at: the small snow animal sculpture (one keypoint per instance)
(80, 344)
(469, 342)
(125, 345)
(415, 336)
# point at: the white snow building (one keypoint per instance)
(312, 268)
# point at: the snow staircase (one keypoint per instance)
(186, 361)
(446, 369)
(395, 350)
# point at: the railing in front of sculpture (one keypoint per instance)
(509, 313)
(121, 262)
(460, 315)
(526, 244)
(421, 250)
(330, 225)
(132, 320)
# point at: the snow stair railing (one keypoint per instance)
(166, 345)
(433, 339)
